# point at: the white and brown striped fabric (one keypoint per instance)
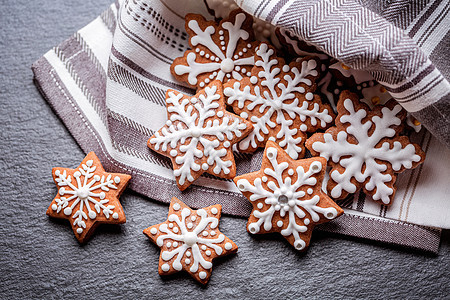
(107, 83)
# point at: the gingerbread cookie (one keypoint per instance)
(220, 51)
(278, 99)
(287, 196)
(199, 135)
(365, 149)
(190, 240)
(88, 196)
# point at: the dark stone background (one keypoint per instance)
(40, 258)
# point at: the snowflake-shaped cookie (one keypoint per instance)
(278, 99)
(221, 51)
(190, 240)
(88, 196)
(365, 149)
(286, 196)
(199, 135)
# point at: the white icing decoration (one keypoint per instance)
(165, 267)
(359, 75)
(280, 100)
(228, 246)
(365, 152)
(286, 198)
(225, 61)
(86, 192)
(191, 243)
(214, 211)
(202, 275)
(192, 127)
(176, 206)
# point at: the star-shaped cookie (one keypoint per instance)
(88, 196)
(190, 240)
(287, 197)
(199, 135)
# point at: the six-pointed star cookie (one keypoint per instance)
(88, 196)
(190, 240)
(199, 134)
(287, 197)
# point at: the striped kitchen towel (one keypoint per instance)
(107, 83)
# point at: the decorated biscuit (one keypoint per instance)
(279, 101)
(287, 197)
(88, 196)
(220, 51)
(190, 240)
(199, 134)
(365, 149)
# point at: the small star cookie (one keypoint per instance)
(190, 240)
(287, 196)
(278, 99)
(88, 196)
(220, 51)
(199, 135)
(365, 149)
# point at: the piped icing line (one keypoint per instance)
(278, 99)
(220, 51)
(288, 191)
(199, 135)
(365, 149)
(190, 240)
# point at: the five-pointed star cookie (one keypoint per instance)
(199, 135)
(287, 197)
(88, 196)
(190, 240)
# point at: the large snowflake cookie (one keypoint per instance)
(278, 99)
(221, 51)
(88, 196)
(190, 240)
(365, 149)
(287, 197)
(199, 135)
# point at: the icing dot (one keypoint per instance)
(211, 76)
(280, 223)
(214, 211)
(208, 253)
(79, 230)
(190, 238)
(213, 233)
(205, 233)
(203, 247)
(306, 221)
(169, 244)
(212, 57)
(220, 114)
(243, 70)
(77, 174)
(358, 88)
(240, 53)
(197, 50)
(249, 74)
(207, 80)
(244, 50)
(207, 55)
(190, 225)
(309, 96)
(187, 261)
(223, 48)
(170, 225)
(117, 179)
(193, 218)
(253, 79)
(264, 178)
(202, 84)
(217, 59)
(92, 215)
(291, 172)
(286, 68)
(89, 163)
(226, 144)
(228, 75)
(316, 167)
(176, 206)
(175, 230)
(175, 244)
(336, 91)
(202, 53)
(57, 172)
(205, 166)
(364, 84)
(237, 68)
(153, 230)
(259, 205)
(221, 32)
(228, 246)
(244, 115)
(67, 211)
(303, 127)
(202, 275)
(236, 56)
(165, 267)
(54, 206)
(249, 45)
(310, 191)
(188, 253)
(173, 153)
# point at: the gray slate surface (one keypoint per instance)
(40, 258)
